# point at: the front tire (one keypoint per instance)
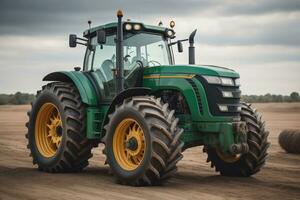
(57, 129)
(142, 141)
(251, 162)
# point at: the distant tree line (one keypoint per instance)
(293, 97)
(25, 98)
(16, 99)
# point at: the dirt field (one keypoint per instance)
(19, 179)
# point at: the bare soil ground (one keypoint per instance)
(19, 179)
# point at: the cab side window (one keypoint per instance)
(104, 64)
(105, 58)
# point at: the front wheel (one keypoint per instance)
(251, 162)
(142, 141)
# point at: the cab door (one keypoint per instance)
(101, 66)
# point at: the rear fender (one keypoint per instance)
(82, 83)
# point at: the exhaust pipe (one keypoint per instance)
(119, 55)
(192, 48)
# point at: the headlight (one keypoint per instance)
(227, 94)
(227, 81)
(237, 82)
(223, 108)
(137, 27)
(219, 80)
(128, 27)
(212, 79)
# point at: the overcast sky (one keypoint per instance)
(258, 38)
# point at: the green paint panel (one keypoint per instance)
(192, 69)
(84, 86)
(95, 120)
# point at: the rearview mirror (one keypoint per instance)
(179, 46)
(101, 37)
(72, 40)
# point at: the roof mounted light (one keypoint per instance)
(137, 27)
(119, 13)
(172, 24)
(128, 27)
(170, 33)
(131, 26)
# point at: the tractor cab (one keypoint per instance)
(143, 46)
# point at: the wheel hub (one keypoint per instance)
(132, 144)
(58, 131)
(129, 144)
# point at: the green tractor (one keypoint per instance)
(131, 97)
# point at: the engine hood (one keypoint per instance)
(192, 69)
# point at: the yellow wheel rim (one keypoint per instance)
(48, 130)
(228, 157)
(129, 144)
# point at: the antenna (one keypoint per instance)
(89, 22)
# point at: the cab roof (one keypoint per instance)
(113, 26)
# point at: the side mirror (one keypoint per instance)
(101, 37)
(72, 40)
(179, 46)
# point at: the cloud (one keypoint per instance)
(253, 37)
(219, 22)
(256, 7)
(271, 29)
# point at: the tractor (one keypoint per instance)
(146, 110)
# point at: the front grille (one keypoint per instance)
(215, 98)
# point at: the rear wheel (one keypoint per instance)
(243, 164)
(57, 129)
(142, 141)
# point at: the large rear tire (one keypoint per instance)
(57, 129)
(251, 162)
(142, 141)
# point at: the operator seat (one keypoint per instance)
(107, 67)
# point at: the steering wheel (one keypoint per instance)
(154, 62)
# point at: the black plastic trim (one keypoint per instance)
(215, 98)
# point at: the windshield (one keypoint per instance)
(150, 49)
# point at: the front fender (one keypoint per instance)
(82, 83)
